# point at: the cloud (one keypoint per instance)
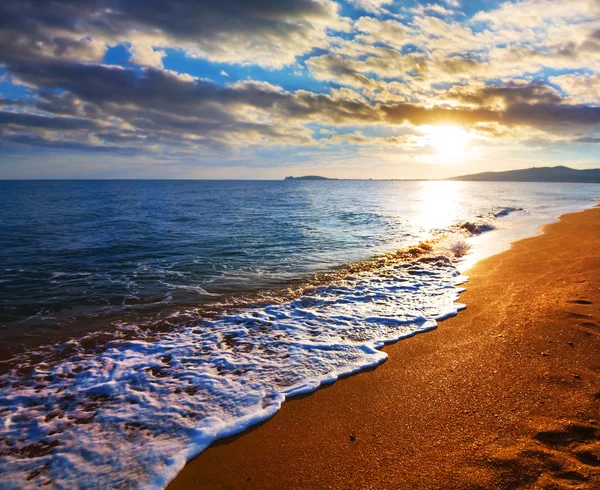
(389, 32)
(159, 109)
(435, 8)
(11, 102)
(101, 106)
(501, 97)
(405, 70)
(373, 6)
(580, 89)
(146, 55)
(9, 119)
(268, 32)
(535, 13)
(559, 118)
(515, 39)
(406, 142)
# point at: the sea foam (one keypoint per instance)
(132, 413)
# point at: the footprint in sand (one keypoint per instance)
(580, 302)
(571, 435)
(551, 459)
(572, 314)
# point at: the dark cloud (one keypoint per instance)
(11, 102)
(36, 141)
(105, 106)
(99, 89)
(339, 69)
(554, 117)
(418, 115)
(45, 122)
(56, 49)
(235, 30)
(507, 95)
(533, 104)
(588, 139)
(193, 19)
(592, 42)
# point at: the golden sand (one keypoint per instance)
(505, 395)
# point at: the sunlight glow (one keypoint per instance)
(451, 142)
(439, 204)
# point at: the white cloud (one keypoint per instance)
(374, 6)
(146, 55)
(580, 89)
(435, 8)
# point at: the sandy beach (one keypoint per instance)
(505, 395)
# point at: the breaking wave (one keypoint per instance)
(130, 411)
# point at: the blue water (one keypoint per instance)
(95, 395)
(71, 249)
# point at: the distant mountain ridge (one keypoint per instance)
(309, 177)
(541, 174)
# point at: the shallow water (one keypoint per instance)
(131, 411)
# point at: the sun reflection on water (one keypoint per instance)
(439, 204)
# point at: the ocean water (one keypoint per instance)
(142, 320)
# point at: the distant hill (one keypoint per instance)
(541, 174)
(309, 177)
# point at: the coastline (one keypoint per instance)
(501, 396)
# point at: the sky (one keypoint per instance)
(262, 89)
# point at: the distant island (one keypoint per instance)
(541, 174)
(309, 177)
(537, 174)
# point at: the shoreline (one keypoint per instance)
(93, 331)
(428, 405)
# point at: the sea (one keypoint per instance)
(142, 320)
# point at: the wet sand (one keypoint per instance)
(505, 395)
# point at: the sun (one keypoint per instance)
(451, 142)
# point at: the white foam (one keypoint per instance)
(133, 414)
(513, 224)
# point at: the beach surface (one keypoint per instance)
(505, 395)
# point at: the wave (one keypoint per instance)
(163, 402)
(474, 228)
(506, 211)
(104, 411)
(484, 223)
